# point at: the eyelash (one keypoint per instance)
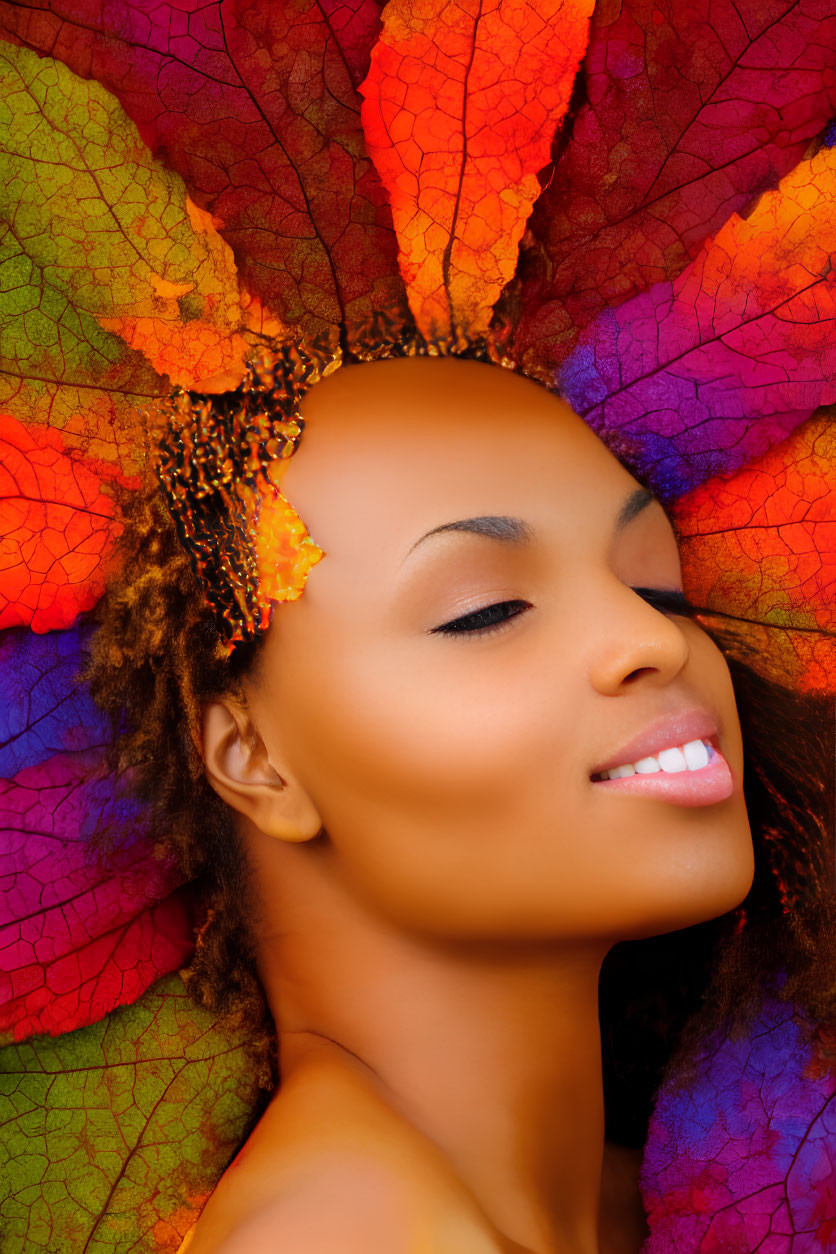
(455, 627)
(669, 600)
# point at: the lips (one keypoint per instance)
(663, 733)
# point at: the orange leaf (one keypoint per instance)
(761, 544)
(461, 105)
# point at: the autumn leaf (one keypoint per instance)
(255, 107)
(461, 104)
(705, 373)
(57, 528)
(355, 25)
(107, 233)
(114, 1135)
(688, 111)
(44, 709)
(760, 545)
(89, 916)
(58, 366)
(740, 1157)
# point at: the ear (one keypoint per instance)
(240, 770)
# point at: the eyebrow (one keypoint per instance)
(511, 530)
(502, 527)
(635, 503)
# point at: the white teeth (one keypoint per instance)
(696, 754)
(689, 757)
(647, 766)
(672, 760)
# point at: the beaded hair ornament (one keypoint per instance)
(634, 202)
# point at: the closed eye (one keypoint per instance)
(480, 622)
(492, 617)
(668, 600)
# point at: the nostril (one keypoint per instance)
(641, 670)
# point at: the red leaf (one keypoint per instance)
(355, 25)
(692, 108)
(57, 527)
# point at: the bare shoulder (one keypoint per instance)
(349, 1207)
(330, 1169)
(356, 1208)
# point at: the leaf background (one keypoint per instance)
(182, 176)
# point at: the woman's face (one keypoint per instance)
(452, 770)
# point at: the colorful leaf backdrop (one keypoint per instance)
(742, 1158)
(644, 192)
(688, 111)
(255, 107)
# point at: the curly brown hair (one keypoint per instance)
(157, 658)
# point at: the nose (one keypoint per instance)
(633, 642)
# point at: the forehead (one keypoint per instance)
(400, 441)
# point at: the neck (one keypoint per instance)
(491, 1051)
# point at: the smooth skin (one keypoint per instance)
(436, 879)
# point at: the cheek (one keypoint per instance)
(439, 790)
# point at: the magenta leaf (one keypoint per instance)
(741, 1158)
(90, 914)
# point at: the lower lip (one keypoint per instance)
(711, 783)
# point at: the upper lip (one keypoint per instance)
(663, 733)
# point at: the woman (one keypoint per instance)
(247, 166)
(401, 796)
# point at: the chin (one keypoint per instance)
(719, 891)
(697, 875)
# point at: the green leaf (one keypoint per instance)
(110, 278)
(112, 1137)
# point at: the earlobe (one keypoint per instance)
(239, 769)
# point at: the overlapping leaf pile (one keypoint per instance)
(690, 109)
(179, 177)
